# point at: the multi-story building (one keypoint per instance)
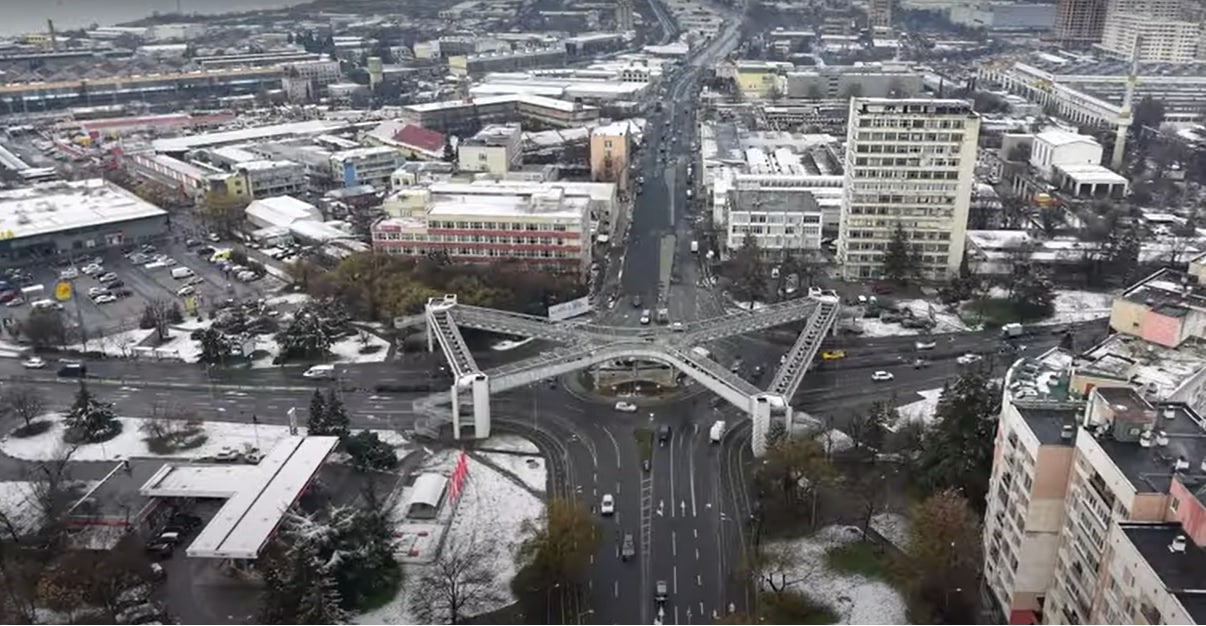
(1089, 92)
(1095, 508)
(1005, 15)
(609, 149)
(272, 177)
(1055, 147)
(909, 166)
(548, 230)
(1079, 22)
(366, 166)
(464, 118)
(624, 15)
(879, 14)
(1152, 30)
(496, 149)
(872, 80)
(508, 61)
(780, 221)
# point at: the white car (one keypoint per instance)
(33, 363)
(69, 274)
(677, 327)
(646, 317)
(107, 277)
(93, 269)
(97, 291)
(968, 359)
(186, 290)
(626, 407)
(106, 298)
(168, 261)
(15, 302)
(925, 345)
(608, 505)
(881, 376)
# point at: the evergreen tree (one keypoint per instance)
(367, 451)
(216, 347)
(306, 336)
(336, 419)
(956, 451)
(90, 420)
(301, 581)
(900, 262)
(317, 423)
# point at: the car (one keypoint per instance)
(195, 280)
(663, 435)
(925, 345)
(105, 298)
(661, 592)
(33, 363)
(968, 359)
(627, 547)
(107, 277)
(123, 293)
(626, 407)
(227, 454)
(167, 261)
(833, 355)
(920, 364)
(636, 302)
(17, 301)
(645, 465)
(159, 551)
(214, 238)
(646, 317)
(93, 269)
(97, 291)
(607, 506)
(881, 376)
(320, 371)
(147, 248)
(186, 290)
(69, 274)
(191, 243)
(677, 327)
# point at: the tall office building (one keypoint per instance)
(1079, 22)
(879, 14)
(909, 163)
(624, 17)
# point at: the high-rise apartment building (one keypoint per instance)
(624, 15)
(909, 165)
(1079, 22)
(1095, 508)
(879, 14)
(1166, 31)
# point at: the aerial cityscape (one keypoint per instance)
(605, 312)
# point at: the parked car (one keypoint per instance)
(97, 291)
(968, 359)
(15, 302)
(105, 298)
(69, 274)
(93, 269)
(107, 277)
(626, 407)
(33, 363)
(186, 290)
(608, 505)
(881, 376)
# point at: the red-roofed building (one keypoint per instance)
(414, 141)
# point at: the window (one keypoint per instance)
(1173, 506)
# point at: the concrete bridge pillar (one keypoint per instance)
(477, 387)
(764, 408)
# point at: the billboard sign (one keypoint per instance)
(567, 310)
(62, 291)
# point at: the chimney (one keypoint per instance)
(1178, 545)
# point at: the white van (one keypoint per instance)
(320, 371)
(182, 272)
(32, 290)
(717, 431)
(694, 246)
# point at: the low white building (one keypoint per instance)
(497, 149)
(1056, 147)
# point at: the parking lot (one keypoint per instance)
(136, 285)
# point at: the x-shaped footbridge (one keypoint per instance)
(586, 345)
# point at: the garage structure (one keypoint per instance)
(50, 219)
(257, 496)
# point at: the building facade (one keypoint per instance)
(609, 149)
(1152, 30)
(909, 166)
(1079, 22)
(496, 149)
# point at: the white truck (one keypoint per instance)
(717, 431)
(694, 246)
(1009, 331)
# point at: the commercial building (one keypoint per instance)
(542, 227)
(1095, 508)
(1089, 92)
(365, 166)
(464, 118)
(597, 88)
(909, 166)
(1005, 16)
(1154, 30)
(610, 149)
(1055, 147)
(18, 96)
(507, 61)
(290, 130)
(872, 80)
(496, 149)
(412, 140)
(73, 217)
(1079, 23)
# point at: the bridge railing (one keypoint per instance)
(802, 353)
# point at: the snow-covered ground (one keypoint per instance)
(894, 527)
(1080, 306)
(855, 599)
(18, 504)
(509, 443)
(129, 443)
(529, 469)
(180, 346)
(946, 321)
(920, 411)
(491, 512)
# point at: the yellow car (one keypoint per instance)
(832, 355)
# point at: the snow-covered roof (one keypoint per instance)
(281, 211)
(257, 497)
(65, 206)
(428, 491)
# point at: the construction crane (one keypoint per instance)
(1126, 113)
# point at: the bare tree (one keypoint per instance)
(24, 402)
(173, 427)
(772, 567)
(456, 585)
(53, 493)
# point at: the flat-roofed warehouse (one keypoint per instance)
(76, 216)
